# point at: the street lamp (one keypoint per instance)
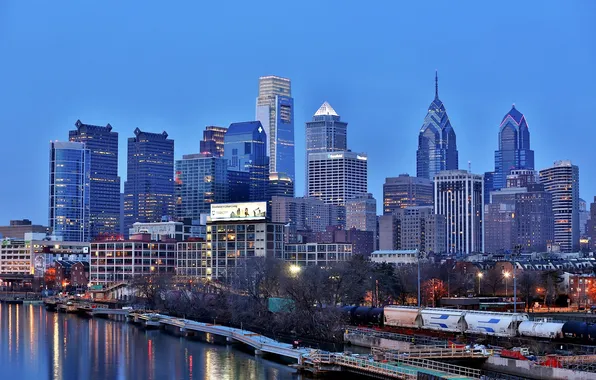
(480, 274)
(295, 269)
(506, 275)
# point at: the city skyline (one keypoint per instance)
(388, 92)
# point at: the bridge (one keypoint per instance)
(432, 353)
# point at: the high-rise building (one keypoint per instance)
(437, 146)
(459, 197)
(499, 219)
(361, 213)
(413, 228)
(213, 141)
(200, 181)
(488, 186)
(562, 182)
(326, 132)
(521, 178)
(104, 183)
(275, 111)
(280, 185)
(69, 190)
(584, 217)
(245, 149)
(514, 147)
(405, 191)
(592, 225)
(18, 228)
(306, 214)
(149, 187)
(533, 223)
(337, 177)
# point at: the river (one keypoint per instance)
(36, 344)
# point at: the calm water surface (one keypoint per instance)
(35, 344)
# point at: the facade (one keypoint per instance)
(534, 222)
(69, 190)
(162, 230)
(275, 111)
(18, 228)
(318, 254)
(437, 146)
(417, 228)
(514, 147)
(104, 182)
(361, 213)
(71, 273)
(200, 181)
(499, 220)
(193, 259)
(584, 217)
(280, 185)
(521, 178)
(15, 257)
(337, 177)
(405, 191)
(395, 257)
(592, 225)
(213, 141)
(562, 182)
(229, 243)
(363, 242)
(307, 214)
(122, 260)
(459, 197)
(245, 149)
(489, 178)
(326, 132)
(149, 187)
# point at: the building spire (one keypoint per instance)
(436, 84)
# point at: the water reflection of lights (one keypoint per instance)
(56, 358)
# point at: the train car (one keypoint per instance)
(443, 319)
(492, 323)
(575, 330)
(592, 332)
(402, 316)
(347, 313)
(550, 330)
(367, 316)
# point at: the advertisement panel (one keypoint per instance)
(238, 211)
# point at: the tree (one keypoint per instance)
(527, 283)
(493, 279)
(432, 291)
(550, 281)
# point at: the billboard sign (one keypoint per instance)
(238, 211)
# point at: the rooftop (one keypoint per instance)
(326, 109)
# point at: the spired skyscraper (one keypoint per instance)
(514, 148)
(437, 147)
(104, 185)
(275, 111)
(326, 132)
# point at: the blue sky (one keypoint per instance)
(179, 66)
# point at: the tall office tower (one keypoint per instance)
(437, 146)
(69, 190)
(488, 186)
(499, 218)
(562, 182)
(245, 149)
(213, 141)
(361, 213)
(305, 214)
(413, 228)
(200, 181)
(326, 132)
(514, 147)
(104, 184)
(280, 185)
(592, 225)
(275, 111)
(533, 223)
(458, 196)
(584, 217)
(149, 186)
(405, 191)
(337, 177)
(521, 178)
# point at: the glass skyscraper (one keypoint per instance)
(149, 187)
(69, 191)
(514, 148)
(213, 141)
(326, 132)
(245, 149)
(275, 111)
(437, 146)
(104, 184)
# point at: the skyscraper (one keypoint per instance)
(592, 225)
(104, 184)
(413, 228)
(200, 181)
(326, 132)
(458, 196)
(405, 191)
(275, 111)
(305, 214)
(245, 149)
(361, 213)
(280, 185)
(213, 141)
(534, 223)
(69, 190)
(437, 146)
(514, 147)
(562, 182)
(149, 187)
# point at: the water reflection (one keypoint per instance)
(35, 344)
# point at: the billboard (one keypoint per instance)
(238, 211)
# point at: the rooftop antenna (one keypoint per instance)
(436, 84)
(470, 166)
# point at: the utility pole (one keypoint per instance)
(517, 249)
(418, 279)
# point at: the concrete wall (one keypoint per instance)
(534, 371)
(372, 341)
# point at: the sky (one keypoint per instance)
(179, 66)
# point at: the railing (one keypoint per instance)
(375, 367)
(431, 352)
(417, 340)
(443, 367)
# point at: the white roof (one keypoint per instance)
(326, 109)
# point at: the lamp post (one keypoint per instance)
(480, 274)
(506, 275)
(418, 279)
(517, 251)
